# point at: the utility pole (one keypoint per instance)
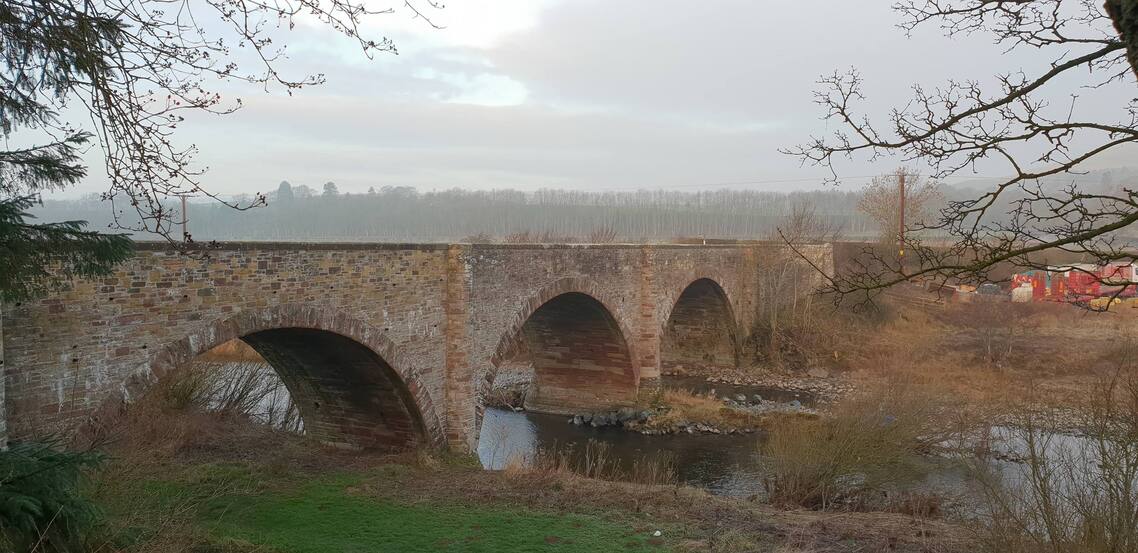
(185, 221)
(901, 218)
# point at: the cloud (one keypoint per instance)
(584, 94)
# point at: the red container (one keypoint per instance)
(1084, 283)
(1116, 278)
(1058, 286)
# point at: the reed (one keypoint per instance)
(597, 460)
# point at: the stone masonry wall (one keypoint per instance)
(70, 352)
(701, 330)
(441, 316)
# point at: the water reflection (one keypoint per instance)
(722, 464)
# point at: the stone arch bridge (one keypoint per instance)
(386, 344)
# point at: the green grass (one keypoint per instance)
(294, 514)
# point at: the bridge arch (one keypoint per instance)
(582, 353)
(700, 328)
(349, 381)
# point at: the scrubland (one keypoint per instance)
(1044, 393)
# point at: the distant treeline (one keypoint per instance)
(397, 214)
(402, 214)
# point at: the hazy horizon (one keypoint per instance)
(583, 96)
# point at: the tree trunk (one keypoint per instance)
(1124, 13)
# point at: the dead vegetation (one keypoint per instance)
(605, 234)
(1071, 493)
(242, 389)
(711, 523)
(234, 350)
(982, 354)
(862, 455)
(675, 409)
(597, 460)
(506, 397)
(156, 438)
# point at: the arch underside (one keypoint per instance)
(700, 331)
(347, 394)
(350, 383)
(581, 360)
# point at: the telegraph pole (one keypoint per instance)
(185, 221)
(901, 218)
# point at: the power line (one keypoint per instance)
(780, 181)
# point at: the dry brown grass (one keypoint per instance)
(867, 448)
(1070, 494)
(153, 440)
(596, 460)
(682, 407)
(715, 523)
(506, 397)
(985, 356)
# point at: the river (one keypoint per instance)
(724, 464)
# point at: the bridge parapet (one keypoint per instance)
(441, 316)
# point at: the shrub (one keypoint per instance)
(41, 508)
(246, 389)
(866, 446)
(1070, 494)
(597, 460)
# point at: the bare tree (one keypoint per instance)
(786, 310)
(961, 123)
(881, 201)
(602, 235)
(803, 224)
(519, 237)
(137, 68)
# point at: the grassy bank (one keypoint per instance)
(230, 486)
(247, 507)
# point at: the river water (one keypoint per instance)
(724, 464)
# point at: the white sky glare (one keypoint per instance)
(583, 94)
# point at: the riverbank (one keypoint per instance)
(679, 403)
(229, 486)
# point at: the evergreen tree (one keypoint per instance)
(36, 257)
(284, 192)
(41, 508)
(128, 71)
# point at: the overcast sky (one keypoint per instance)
(584, 94)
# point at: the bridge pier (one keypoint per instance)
(434, 322)
(462, 421)
(581, 360)
(701, 330)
